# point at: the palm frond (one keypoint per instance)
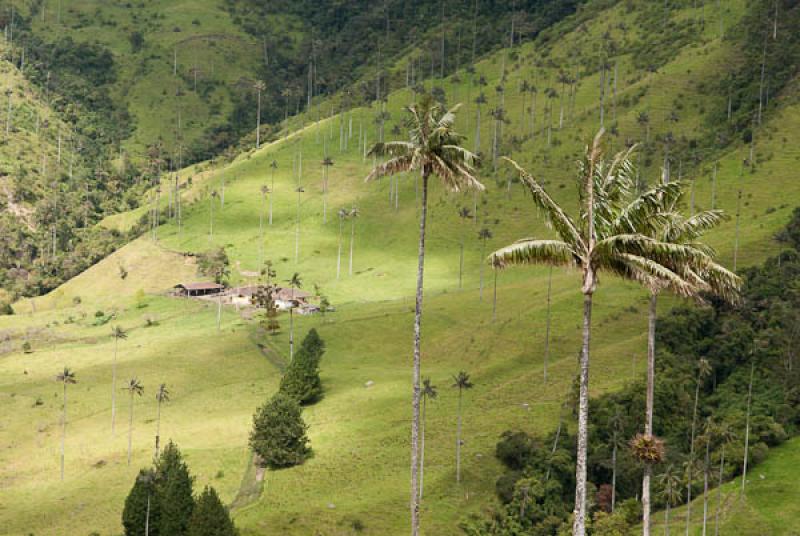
(531, 251)
(398, 164)
(555, 215)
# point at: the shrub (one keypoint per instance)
(279, 433)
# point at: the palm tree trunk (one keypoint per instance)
(130, 432)
(417, 357)
(648, 423)
(547, 324)
(63, 430)
(114, 387)
(339, 253)
(261, 231)
(719, 491)
(666, 520)
(291, 334)
(422, 448)
(352, 242)
(579, 523)
(158, 427)
(747, 425)
(458, 439)
(614, 474)
(258, 122)
(147, 517)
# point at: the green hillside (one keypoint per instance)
(358, 474)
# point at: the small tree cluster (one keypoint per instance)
(264, 299)
(161, 503)
(279, 433)
(214, 263)
(301, 381)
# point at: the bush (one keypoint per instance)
(279, 433)
(174, 492)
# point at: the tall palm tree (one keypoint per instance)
(259, 86)
(617, 441)
(479, 100)
(299, 191)
(295, 282)
(599, 240)
(211, 215)
(484, 235)
(342, 216)
(428, 392)
(273, 166)
(670, 492)
(703, 371)
(726, 436)
(465, 214)
(134, 387)
(462, 382)
(703, 276)
(265, 191)
(65, 377)
(326, 163)
(117, 333)
(162, 395)
(434, 148)
(353, 214)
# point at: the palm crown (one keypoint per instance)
(433, 147)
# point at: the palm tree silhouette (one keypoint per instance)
(342, 213)
(434, 148)
(326, 163)
(428, 392)
(295, 283)
(162, 396)
(134, 387)
(462, 382)
(259, 86)
(117, 333)
(353, 214)
(65, 377)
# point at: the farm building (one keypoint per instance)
(195, 290)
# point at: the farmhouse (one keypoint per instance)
(195, 290)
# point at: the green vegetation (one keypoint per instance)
(301, 380)
(279, 433)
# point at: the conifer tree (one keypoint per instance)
(140, 516)
(279, 433)
(174, 492)
(210, 517)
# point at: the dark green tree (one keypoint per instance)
(140, 516)
(302, 381)
(174, 492)
(210, 517)
(279, 433)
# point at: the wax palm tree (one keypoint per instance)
(434, 148)
(617, 441)
(342, 216)
(148, 478)
(259, 86)
(703, 371)
(704, 276)
(273, 166)
(265, 191)
(429, 392)
(725, 436)
(162, 396)
(65, 377)
(117, 333)
(134, 387)
(295, 282)
(211, 215)
(479, 100)
(465, 214)
(670, 484)
(484, 235)
(299, 191)
(326, 163)
(600, 240)
(461, 381)
(353, 214)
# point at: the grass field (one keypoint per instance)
(359, 434)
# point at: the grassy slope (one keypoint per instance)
(359, 434)
(201, 33)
